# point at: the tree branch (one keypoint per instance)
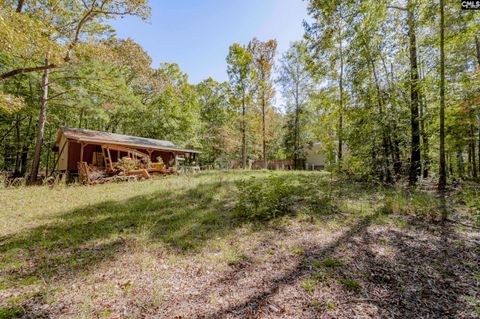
(90, 12)
(26, 70)
(397, 7)
(59, 94)
(84, 19)
(20, 6)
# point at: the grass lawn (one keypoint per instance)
(239, 244)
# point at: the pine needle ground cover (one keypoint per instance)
(239, 244)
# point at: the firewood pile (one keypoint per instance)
(91, 174)
(126, 169)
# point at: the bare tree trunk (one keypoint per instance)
(397, 163)
(473, 146)
(296, 132)
(425, 145)
(80, 120)
(449, 164)
(26, 147)
(460, 166)
(469, 160)
(415, 157)
(19, 6)
(394, 141)
(244, 137)
(264, 143)
(385, 145)
(423, 131)
(442, 181)
(386, 173)
(47, 162)
(41, 125)
(18, 147)
(477, 45)
(340, 119)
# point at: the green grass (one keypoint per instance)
(11, 312)
(49, 236)
(471, 197)
(351, 284)
(320, 276)
(308, 285)
(330, 304)
(332, 263)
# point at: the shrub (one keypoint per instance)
(471, 197)
(264, 199)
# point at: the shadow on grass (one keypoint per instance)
(427, 275)
(182, 219)
(252, 306)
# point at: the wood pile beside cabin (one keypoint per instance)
(99, 157)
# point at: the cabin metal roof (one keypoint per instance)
(97, 137)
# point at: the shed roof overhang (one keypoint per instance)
(97, 137)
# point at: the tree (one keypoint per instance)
(241, 75)
(57, 28)
(415, 150)
(297, 85)
(41, 123)
(477, 50)
(415, 160)
(442, 180)
(62, 26)
(326, 36)
(173, 112)
(216, 117)
(263, 54)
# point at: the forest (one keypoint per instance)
(389, 228)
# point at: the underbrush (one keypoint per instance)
(422, 204)
(278, 195)
(470, 195)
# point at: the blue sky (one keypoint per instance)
(196, 34)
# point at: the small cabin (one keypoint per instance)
(102, 149)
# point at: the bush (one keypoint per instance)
(264, 198)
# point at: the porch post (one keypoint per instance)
(82, 145)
